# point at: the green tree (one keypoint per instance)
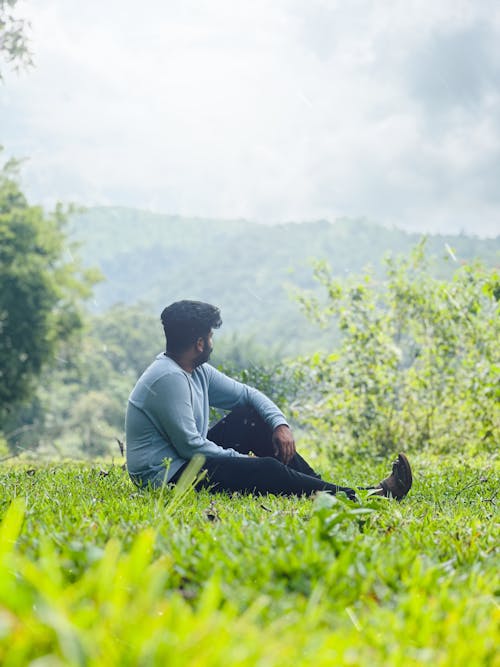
(14, 45)
(41, 290)
(79, 405)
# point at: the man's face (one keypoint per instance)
(207, 350)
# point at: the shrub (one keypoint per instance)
(418, 363)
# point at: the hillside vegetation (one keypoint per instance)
(406, 351)
(246, 268)
(408, 358)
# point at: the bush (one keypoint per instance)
(417, 366)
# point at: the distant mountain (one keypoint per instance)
(246, 268)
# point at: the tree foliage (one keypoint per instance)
(41, 289)
(418, 366)
(80, 402)
(14, 45)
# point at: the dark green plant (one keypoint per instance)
(42, 290)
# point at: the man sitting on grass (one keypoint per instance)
(168, 412)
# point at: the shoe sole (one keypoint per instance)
(403, 477)
(407, 477)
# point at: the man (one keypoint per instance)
(167, 422)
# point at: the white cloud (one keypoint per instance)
(272, 111)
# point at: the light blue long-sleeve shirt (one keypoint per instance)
(168, 416)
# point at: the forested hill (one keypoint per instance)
(244, 267)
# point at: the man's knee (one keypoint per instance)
(270, 464)
(245, 414)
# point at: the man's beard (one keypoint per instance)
(205, 355)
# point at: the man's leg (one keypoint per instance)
(244, 429)
(261, 475)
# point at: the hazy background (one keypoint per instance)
(271, 111)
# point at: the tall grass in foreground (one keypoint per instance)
(94, 572)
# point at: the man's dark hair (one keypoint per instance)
(186, 321)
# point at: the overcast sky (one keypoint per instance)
(267, 110)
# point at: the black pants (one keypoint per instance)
(244, 430)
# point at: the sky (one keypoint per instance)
(270, 110)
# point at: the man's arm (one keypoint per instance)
(170, 403)
(226, 393)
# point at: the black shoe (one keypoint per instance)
(399, 481)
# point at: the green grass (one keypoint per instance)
(94, 572)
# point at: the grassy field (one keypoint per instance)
(94, 572)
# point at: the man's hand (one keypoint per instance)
(284, 444)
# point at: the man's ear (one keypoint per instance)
(200, 344)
